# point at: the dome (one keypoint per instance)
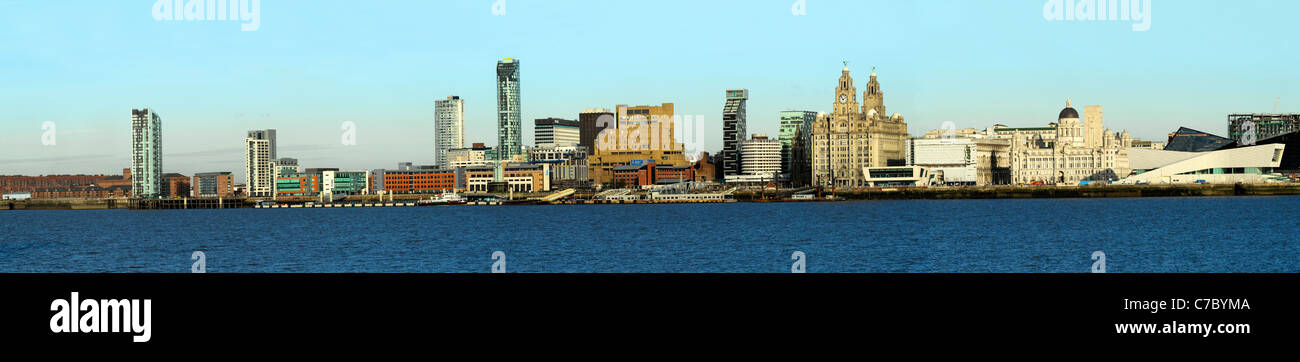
(896, 117)
(871, 113)
(1069, 111)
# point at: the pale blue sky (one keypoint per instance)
(315, 64)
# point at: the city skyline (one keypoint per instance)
(971, 64)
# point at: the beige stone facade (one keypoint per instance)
(1066, 152)
(853, 137)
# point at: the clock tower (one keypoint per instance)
(846, 97)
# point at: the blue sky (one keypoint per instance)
(312, 65)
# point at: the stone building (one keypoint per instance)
(1067, 152)
(854, 137)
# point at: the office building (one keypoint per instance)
(568, 162)
(509, 136)
(591, 122)
(146, 153)
(851, 138)
(1060, 154)
(760, 156)
(963, 161)
(285, 164)
(796, 141)
(644, 134)
(175, 185)
(556, 131)
(733, 130)
(213, 184)
(475, 155)
(449, 127)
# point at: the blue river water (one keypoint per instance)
(1137, 235)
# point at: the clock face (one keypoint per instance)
(844, 98)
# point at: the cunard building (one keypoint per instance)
(854, 137)
(1068, 151)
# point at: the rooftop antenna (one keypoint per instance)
(1279, 99)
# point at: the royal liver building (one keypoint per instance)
(1069, 151)
(852, 138)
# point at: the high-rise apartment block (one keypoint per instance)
(509, 136)
(733, 130)
(146, 153)
(449, 127)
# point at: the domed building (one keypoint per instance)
(1069, 151)
(854, 137)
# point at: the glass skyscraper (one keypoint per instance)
(509, 138)
(146, 153)
(796, 141)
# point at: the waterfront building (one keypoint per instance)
(760, 156)
(733, 130)
(591, 122)
(1252, 164)
(509, 136)
(213, 184)
(408, 179)
(1264, 125)
(475, 155)
(852, 137)
(893, 176)
(285, 164)
(644, 134)
(449, 127)
(265, 134)
(796, 142)
(521, 177)
(556, 131)
(323, 181)
(1150, 145)
(259, 172)
(971, 160)
(568, 162)
(175, 185)
(637, 175)
(146, 153)
(1189, 140)
(335, 182)
(1061, 155)
(81, 192)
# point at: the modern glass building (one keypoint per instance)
(1190, 140)
(733, 130)
(509, 136)
(1264, 125)
(146, 153)
(796, 140)
(449, 127)
(556, 131)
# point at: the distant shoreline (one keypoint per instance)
(827, 195)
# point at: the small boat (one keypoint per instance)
(442, 199)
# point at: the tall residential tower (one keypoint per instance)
(259, 170)
(146, 153)
(733, 130)
(509, 138)
(449, 127)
